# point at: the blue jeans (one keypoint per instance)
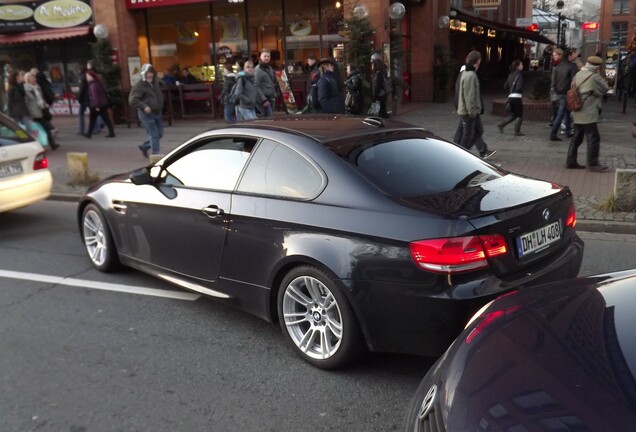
(563, 115)
(229, 112)
(246, 113)
(82, 121)
(154, 127)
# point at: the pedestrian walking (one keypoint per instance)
(470, 107)
(311, 89)
(265, 80)
(328, 95)
(514, 84)
(459, 131)
(147, 98)
(249, 94)
(229, 107)
(98, 104)
(353, 90)
(562, 75)
(35, 105)
(378, 76)
(592, 88)
(82, 98)
(16, 99)
(47, 94)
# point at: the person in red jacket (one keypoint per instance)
(98, 103)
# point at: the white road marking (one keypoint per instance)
(105, 286)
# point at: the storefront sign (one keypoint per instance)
(142, 4)
(62, 13)
(486, 3)
(36, 15)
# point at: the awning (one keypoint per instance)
(500, 27)
(43, 35)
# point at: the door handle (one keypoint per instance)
(212, 211)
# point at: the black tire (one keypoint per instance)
(98, 240)
(325, 332)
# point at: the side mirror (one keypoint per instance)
(141, 176)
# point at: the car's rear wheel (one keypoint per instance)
(98, 240)
(317, 318)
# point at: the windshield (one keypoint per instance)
(11, 133)
(420, 166)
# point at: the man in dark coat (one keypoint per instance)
(147, 98)
(562, 75)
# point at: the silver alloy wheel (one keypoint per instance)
(312, 317)
(95, 238)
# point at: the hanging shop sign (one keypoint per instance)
(143, 4)
(486, 3)
(37, 15)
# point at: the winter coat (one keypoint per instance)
(562, 75)
(265, 79)
(34, 102)
(353, 91)
(45, 86)
(97, 95)
(469, 101)
(249, 95)
(17, 106)
(514, 83)
(145, 94)
(592, 92)
(377, 85)
(328, 96)
(228, 83)
(82, 96)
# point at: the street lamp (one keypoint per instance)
(559, 6)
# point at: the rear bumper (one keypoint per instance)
(408, 319)
(24, 190)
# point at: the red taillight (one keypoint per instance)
(457, 254)
(488, 319)
(571, 219)
(40, 162)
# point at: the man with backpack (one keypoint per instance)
(562, 74)
(592, 88)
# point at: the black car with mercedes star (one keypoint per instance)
(351, 232)
(557, 357)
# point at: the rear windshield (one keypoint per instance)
(421, 166)
(11, 133)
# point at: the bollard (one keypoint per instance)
(625, 189)
(77, 164)
(154, 158)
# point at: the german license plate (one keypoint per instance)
(538, 240)
(10, 170)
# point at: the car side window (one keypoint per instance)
(277, 170)
(214, 164)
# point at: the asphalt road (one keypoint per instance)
(84, 351)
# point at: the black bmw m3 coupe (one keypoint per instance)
(351, 232)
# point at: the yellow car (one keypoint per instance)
(24, 174)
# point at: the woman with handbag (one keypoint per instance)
(35, 105)
(514, 104)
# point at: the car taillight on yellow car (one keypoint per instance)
(40, 162)
(457, 254)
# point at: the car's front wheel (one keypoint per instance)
(317, 318)
(98, 240)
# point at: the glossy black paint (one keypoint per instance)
(238, 246)
(559, 356)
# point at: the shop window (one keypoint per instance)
(302, 34)
(230, 37)
(181, 37)
(266, 28)
(332, 26)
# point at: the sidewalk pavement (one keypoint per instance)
(532, 155)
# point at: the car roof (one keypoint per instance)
(325, 128)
